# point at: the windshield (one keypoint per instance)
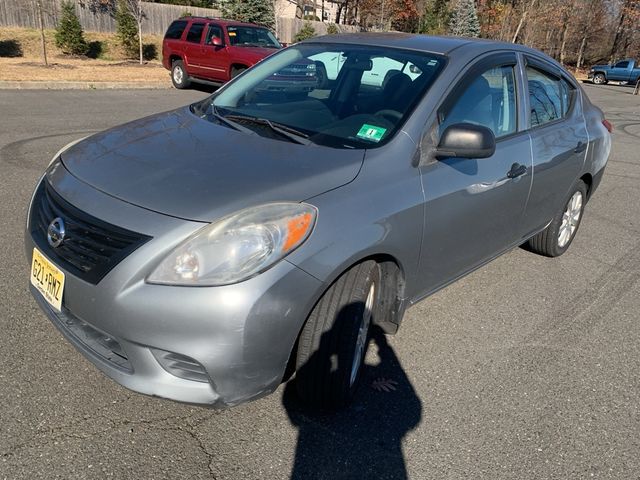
(343, 96)
(252, 37)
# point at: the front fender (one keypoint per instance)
(379, 213)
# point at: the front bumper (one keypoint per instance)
(301, 85)
(241, 335)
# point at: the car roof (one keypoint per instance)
(224, 21)
(442, 45)
(427, 43)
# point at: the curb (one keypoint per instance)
(56, 85)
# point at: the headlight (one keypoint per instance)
(237, 247)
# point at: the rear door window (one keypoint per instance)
(546, 94)
(174, 32)
(568, 95)
(195, 33)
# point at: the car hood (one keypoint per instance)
(601, 66)
(257, 52)
(178, 164)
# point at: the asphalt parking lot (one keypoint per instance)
(527, 368)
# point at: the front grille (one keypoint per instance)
(91, 247)
(90, 339)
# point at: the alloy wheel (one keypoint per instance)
(570, 220)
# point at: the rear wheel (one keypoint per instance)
(179, 76)
(235, 71)
(556, 238)
(599, 79)
(334, 340)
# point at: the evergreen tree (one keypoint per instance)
(464, 21)
(436, 17)
(332, 29)
(69, 35)
(252, 11)
(307, 31)
(126, 29)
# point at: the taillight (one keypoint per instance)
(608, 125)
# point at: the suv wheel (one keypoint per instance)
(179, 76)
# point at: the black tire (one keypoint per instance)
(179, 76)
(321, 75)
(235, 71)
(327, 345)
(548, 242)
(600, 79)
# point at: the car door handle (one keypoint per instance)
(516, 170)
(581, 147)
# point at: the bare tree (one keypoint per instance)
(41, 27)
(619, 30)
(526, 7)
(135, 8)
(40, 10)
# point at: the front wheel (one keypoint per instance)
(599, 79)
(334, 340)
(556, 238)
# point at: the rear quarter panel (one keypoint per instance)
(599, 138)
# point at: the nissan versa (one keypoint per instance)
(205, 253)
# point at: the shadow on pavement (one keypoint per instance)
(364, 440)
(201, 87)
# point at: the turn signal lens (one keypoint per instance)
(608, 125)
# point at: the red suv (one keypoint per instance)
(212, 50)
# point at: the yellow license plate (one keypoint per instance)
(48, 279)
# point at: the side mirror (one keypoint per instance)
(465, 140)
(216, 42)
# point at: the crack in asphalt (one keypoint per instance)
(31, 443)
(210, 456)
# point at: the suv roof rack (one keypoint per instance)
(214, 18)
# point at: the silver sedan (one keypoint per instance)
(205, 253)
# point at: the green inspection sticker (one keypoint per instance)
(371, 132)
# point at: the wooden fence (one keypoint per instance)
(23, 13)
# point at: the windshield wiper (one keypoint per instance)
(283, 130)
(229, 123)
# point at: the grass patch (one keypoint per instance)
(21, 59)
(103, 46)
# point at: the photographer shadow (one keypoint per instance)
(365, 439)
